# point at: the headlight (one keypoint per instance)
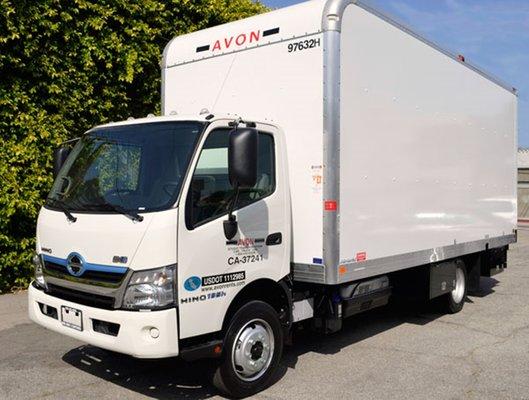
(39, 273)
(151, 289)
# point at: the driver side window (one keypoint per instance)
(210, 193)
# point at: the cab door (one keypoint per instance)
(212, 269)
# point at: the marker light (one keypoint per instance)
(39, 271)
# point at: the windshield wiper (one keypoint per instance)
(128, 213)
(114, 207)
(60, 204)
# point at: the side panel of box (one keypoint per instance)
(428, 149)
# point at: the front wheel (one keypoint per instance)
(252, 351)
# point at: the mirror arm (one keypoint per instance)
(230, 225)
(70, 142)
(231, 217)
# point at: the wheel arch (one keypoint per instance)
(276, 294)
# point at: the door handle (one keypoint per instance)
(274, 239)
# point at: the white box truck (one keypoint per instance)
(310, 162)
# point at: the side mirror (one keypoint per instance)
(242, 170)
(59, 157)
(242, 158)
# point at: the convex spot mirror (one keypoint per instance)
(242, 169)
(59, 157)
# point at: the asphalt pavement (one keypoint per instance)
(396, 352)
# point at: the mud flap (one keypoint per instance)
(442, 278)
(494, 262)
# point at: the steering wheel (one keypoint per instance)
(118, 192)
(169, 184)
(65, 185)
(223, 205)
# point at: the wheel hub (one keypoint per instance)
(459, 291)
(257, 351)
(253, 350)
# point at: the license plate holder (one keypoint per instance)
(72, 318)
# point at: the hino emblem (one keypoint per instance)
(75, 264)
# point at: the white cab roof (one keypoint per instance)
(170, 118)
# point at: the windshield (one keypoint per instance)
(132, 167)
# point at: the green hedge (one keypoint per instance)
(66, 65)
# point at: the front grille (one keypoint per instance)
(103, 277)
(110, 277)
(51, 266)
(76, 296)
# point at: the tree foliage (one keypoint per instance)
(65, 66)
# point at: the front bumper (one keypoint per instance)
(134, 336)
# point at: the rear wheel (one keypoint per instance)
(454, 301)
(252, 351)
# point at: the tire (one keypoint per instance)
(256, 329)
(454, 301)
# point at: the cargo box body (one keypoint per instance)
(427, 153)
(399, 154)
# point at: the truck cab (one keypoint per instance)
(132, 253)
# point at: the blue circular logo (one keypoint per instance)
(192, 283)
(75, 264)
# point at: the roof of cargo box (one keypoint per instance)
(284, 24)
(271, 27)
